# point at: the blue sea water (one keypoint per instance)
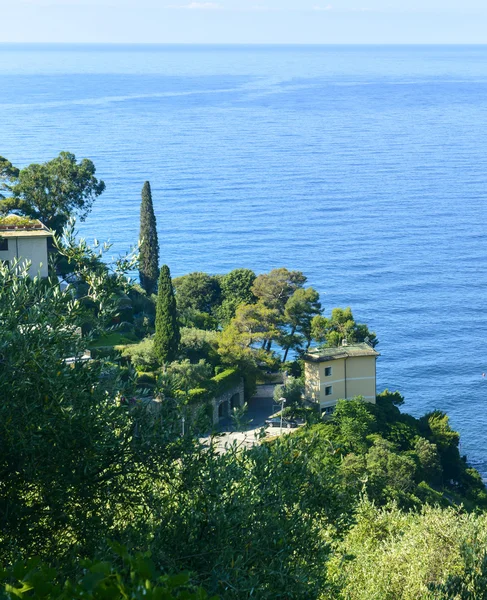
(364, 167)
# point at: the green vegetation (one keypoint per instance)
(340, 326)
(16, 221)
(51, 192)
(136, 578)
(236, 289)
(340, 509)
(197, 296)
(149, 244)
(167, 336)
(432, 554)
(107, 491)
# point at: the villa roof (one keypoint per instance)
(13, 226)
(326, 354)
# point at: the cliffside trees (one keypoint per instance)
(274, 289)
(149, 244)
(341, 325)
(299, 312)
(236, 289)
(7, 173)
(66, 444)
(167, 336)
(52, 191)
(197, 296)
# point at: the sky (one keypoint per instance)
(245, 21)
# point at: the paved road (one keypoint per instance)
(259, 409)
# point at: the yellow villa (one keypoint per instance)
(344, 372)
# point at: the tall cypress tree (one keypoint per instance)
(167, 337)
(149, 248)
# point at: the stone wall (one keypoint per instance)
(222, 405)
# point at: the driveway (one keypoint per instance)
(259, 409)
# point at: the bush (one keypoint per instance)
(310, 414)
(142, 355)
(293, 368)
(200, 395)
(292, 390)
(226, 380)
(197, 344)
(141, 303)
(146, 379)
(108, 352)
(137, 578)
(125, 327)
(124, 374)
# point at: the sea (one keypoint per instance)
(365, 167)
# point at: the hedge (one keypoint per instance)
(146, 379)
(110, 352)
(200, 395)
(226, 380)
(218, 385)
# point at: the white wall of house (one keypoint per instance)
(33, 249)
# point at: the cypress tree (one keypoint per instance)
(149, 248)
(167, 337)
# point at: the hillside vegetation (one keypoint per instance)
(101, 496)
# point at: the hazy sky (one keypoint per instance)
(244, 21)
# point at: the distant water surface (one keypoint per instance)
(364, 167)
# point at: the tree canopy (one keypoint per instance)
(149, 243)
(341, 326)
(167, 335)
(52, 191)
(368, 502)
(236, 289)
(275, 288)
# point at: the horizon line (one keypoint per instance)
(235, 44)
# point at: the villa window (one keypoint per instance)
(328, 390)
(3, 245)
(327, 371)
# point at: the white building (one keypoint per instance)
(24, 240)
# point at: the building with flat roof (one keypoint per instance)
(24, 240)
(338, 373)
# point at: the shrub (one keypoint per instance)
(293, 368)
(197, 344)
(292, 390)
(146, 379)
(137, 578)
(142, 355)
(125, 327)
(226, 380)
(199, 395)
(109, 352)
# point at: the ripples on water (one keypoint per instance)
(365, 168)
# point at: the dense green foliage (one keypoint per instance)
(52, 191)
(340, 326)
(167, 336)
(433, 554)
(371, 503)
(7, 173)
(149, 243)
(236, 289)
(136, 579)
(197, 296)
(66, 444)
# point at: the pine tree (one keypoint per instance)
(167, 337)
(149, 247)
